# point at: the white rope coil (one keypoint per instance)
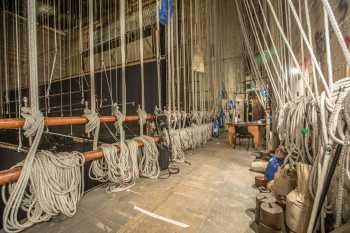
(185, 139)
(56, 186)
(93, 125)
(115, 167)
(34, 125)
(33, 121)
(119, 123)
(149, 165)
(134, 153)
(178, 155)
(143, 118)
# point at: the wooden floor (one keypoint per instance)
(214, 194)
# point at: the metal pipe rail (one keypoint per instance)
(12, 175)
(15, 123)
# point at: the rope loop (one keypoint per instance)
(157, 111)
(120, 121)
(93, 124)
(142, 118)
(33, 121)
(142, 115)
(183, 117)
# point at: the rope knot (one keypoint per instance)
(120, 121)
(33, 120)
(168, 116)
(93, 124)
(142, 115)
(157, 111)
(183, 117)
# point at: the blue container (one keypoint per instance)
(272, 168)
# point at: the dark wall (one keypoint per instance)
(67, 96)
(72, 96)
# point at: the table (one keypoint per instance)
(255, 128)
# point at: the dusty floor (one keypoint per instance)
(214, 194)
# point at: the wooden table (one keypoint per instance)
(255, 128)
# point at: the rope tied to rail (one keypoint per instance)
(178, 154)
(93, 125)
(134, 153)
(184, 118)
(142, 119)
(61, 174)
(149, 164)
(34, 120)
(120, 121)
(34, 126)
(115, 167)
(179, 119)
(64, 186)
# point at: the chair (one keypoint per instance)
(242, 132)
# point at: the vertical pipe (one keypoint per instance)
(169, 57)
(141, 57)
(191, 57)
(158, 55)
(123, 44)
(92, 62)
(33, 57)
(116, 50)
(183, 54)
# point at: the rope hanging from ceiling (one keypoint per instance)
(122, 163)
(301, 118)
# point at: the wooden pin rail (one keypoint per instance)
(15, 123)
(12, 175)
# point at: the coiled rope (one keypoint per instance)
(115, 167)
(49, 184)
(93, 125)
(134, 153)
(56, 186)
(33, 126)
(149, 165)
(178, 155)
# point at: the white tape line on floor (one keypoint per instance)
(180, 224)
